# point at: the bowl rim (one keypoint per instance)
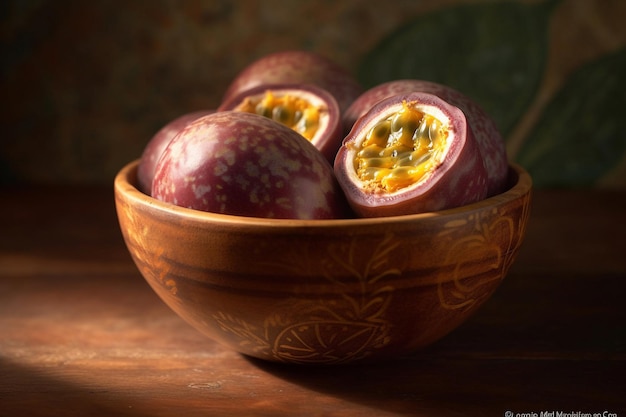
(125, 188)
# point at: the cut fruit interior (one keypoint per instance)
(410, 153)
(306, 109)
(300, 114)
(401, 148)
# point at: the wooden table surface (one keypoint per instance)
(81, 333)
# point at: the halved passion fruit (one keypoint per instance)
(297, 67)
(485, 131)
(410, 153)
(307, 109)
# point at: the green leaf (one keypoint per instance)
(493, 52)
(581, 133)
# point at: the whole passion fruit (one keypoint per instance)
(247, 165)
(490, 142)
(298, 67)
(410, 153)
(157, 144)
(305, 108)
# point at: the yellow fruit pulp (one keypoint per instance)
(400, 149)
(294, 112)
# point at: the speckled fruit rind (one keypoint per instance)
(247, 165)
(490, 142)
(458, 179)
(155, 147)
(298, 67)
(329, 133)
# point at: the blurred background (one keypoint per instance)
(85, 84)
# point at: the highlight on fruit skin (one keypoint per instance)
(297, 67)
(244, 164)
(157, 144)
(305, 108)
(410, 153)
(488, 137)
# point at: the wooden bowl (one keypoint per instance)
(324, 291)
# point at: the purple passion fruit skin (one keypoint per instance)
(244, 164)
(305, 108)
(298, 67)
(490, 142)
(155, 147)
(410, 153)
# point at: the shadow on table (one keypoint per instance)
(450, 386)
(510, 356)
